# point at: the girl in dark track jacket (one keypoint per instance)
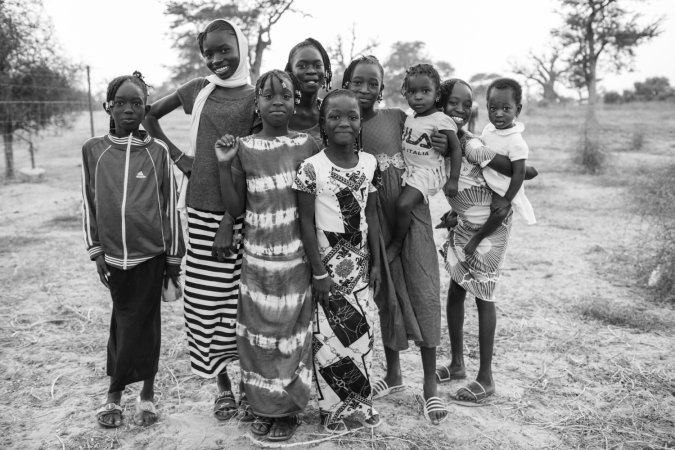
(132, 231)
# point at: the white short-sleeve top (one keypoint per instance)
(341, 194)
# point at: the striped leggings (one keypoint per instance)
(211, 293)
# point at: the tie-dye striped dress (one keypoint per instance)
(274, 315)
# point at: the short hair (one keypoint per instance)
(310, 42)
(296, 85)
(216, 25)
(136, 78)
(446, 89)
(349, 72)
(507, 83)
(324, 108)
(421, 69)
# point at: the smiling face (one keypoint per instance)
(221, 53)
(458, 106)
(342, 121)
(276, 102)
(502, 108)
(366, 83)
(128, 108)
(307, 65)
(422, 95)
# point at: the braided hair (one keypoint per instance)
(358, 143)
(446, 89)
(283, 77)
(310, 42)
(421, 69)
(137, 78)
(507, 83)
(218, 25)
(349, 72)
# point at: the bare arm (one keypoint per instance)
(232, 187)
(159, 109)
(517, 179)
(502, 164)
(374, 242)
(323, 287)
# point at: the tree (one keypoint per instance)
(255, 18)
(36, 82)
(654, 88)
(340, 57)
(544, 69)
(480, 82)
(601, 33)
(402, 56)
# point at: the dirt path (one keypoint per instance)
(566, 377)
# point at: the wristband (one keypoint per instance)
(175, 161)
(320, 277)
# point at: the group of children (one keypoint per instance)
(297, 240)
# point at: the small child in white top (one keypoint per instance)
(425, 172)
(503, 136)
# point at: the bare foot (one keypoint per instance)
(472, 245)
(393, 250)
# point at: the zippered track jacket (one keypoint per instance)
(129, 201)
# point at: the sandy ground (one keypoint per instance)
(566, 377)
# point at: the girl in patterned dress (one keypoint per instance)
(337, 197)
(274, 315)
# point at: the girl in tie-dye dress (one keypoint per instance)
(274, 315)
(337, 197)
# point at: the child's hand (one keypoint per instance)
(448, 220)
(102, 269)
(375, 279)
(530, 172)
(322, 290)
(439, 141)
(451, 188)
(223, 241)
(500, 205)
(173, 273)
(227, 148)
(185, 164)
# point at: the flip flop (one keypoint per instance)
(478, 399)
(448, 376)
(226, 405)
(147, 406)
(382, 389)
(107, 410)
(432, 404)
(245, 410)
(288, 424)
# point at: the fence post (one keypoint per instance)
(91, 112)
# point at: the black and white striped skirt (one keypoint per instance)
(211, 293)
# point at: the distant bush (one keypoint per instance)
(589, 154)
(612, 97)
(638, 140)
(654, 199)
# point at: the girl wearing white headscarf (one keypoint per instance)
(220, 104)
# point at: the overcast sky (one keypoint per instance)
(119, 37)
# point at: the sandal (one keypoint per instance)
(443, 374)
(338, 427)
(373, 421)
(261, 426)
(432, 404)
(382, 389)
(287, 425)
(107, 410)
(478, 398)
(225, 407)
(147, 406)
(245, 412)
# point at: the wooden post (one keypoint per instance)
(91, 111)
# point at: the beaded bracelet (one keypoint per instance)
(175, 161)
(320, 277)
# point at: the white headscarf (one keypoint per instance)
(239, 78)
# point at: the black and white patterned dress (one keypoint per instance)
(343, 332)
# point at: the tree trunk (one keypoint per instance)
(260, 46)
(8, 139)
(549, 92)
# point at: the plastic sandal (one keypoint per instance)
(106, 410)
(478, 398)
(443, 374)
(382, 389)
(261, 426)
(224, 406)
(432, 404)
(245, 413)
(340, 427)
(288, 424)
(145, 405)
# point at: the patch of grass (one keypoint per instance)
(637, 140)
(622, 315)
(589, 154)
